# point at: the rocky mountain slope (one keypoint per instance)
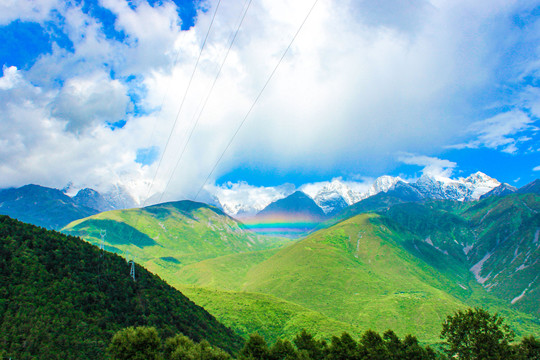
(495, 239)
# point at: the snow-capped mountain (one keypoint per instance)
(480, 184)
(337, 194)
(92, 199)
(334, 196)
(469, 188)
(119, 198)
(242, 199)
(441, 188)
(381, 184)
(116, 197)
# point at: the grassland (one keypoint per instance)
(404, 270)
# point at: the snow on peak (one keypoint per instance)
(479, 183)
(382, 184)
(238, 199)
(469, 188)
(480, 179)
(242, 199)
(332, 196)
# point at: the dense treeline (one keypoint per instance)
(144, 343)
(479, 344)
(468, 335)
(62, 298)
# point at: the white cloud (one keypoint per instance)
(536, 168)
(10, 78)
(244, 199)
(89, 100)
(26, 10)
(358, 85)
(531, 100)
(500, 132)
(362, 186)
(438, 168)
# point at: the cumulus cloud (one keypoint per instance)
(26, 10)
(88, 100)
(536, 168)
(432, 166)
(11, 77)
(358, 85)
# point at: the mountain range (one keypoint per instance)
(42, 206)
(335, 195)
(53, 208)
(393, 260)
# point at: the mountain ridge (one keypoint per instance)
(65, 298)
(165, 237)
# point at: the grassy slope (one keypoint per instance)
(271, 317)
(397, 281)
(367, 280)
(226, 272)
(166, 237)
(378, 284)
(503, 230)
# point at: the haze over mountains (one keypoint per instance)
(332, 197)
(337, 194)
(53, 208)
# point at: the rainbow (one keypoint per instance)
(281, 224)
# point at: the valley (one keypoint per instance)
(385, 262)
(269, 180)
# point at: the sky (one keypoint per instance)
(170, 98)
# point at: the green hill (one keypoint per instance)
(356, 273)
(271, 317)
(168, 236)
(62, 298)
(366, 272)
(405, 268)
(495, 239)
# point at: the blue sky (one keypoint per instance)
(95, 93)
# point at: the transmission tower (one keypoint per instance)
(132, 270)
(102, 233)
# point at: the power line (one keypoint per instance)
(177, 56)
(256, 99)
(208, 95)
(181, 104)
(176, 119)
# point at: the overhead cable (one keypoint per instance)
(256, 99)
